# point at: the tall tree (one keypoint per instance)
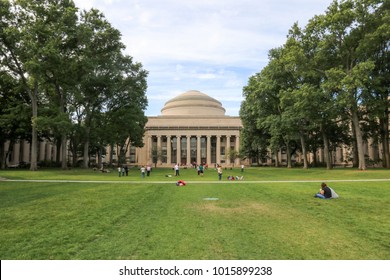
(126, 108)
(58, 65)
(20, 45)
(100, 45)
(345, 26)
(375, 46)
(15, 115)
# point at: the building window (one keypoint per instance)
(183, 149)
(173, 149)
(193, 149)
(164, 149)
(203, 149)
(132, 154)
(213, 155)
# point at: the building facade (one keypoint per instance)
(192, 129)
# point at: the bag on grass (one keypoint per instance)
(334, 194)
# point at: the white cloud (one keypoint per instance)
(209, 45)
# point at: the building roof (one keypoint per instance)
(193, 110)
(193, 103)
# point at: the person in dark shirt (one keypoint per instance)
(325, 192)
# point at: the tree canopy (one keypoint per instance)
(328, 85)
(69, 69)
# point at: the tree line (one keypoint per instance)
(328, 85)
(64, 78)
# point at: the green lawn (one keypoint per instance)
(113, 217)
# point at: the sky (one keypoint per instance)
(213, 46)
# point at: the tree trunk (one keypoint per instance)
(86, 155)
(100, 161)
(86, 145)
(326, 148)
(288, 156)
(384, 135)
(58, 151)
(359, 140)
(304, 151)
(111, 155)
(34, 134)
(276, 158)
(64, 163)
(2, 154)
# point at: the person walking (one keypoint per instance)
(127, 170)
(219, 170)
(148, 169)
(143, 171)
(201, 170)
(177, 170)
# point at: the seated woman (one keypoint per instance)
(325, 192)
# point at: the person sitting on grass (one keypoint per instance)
(180, 183)
(326, 192)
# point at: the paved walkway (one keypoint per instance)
(196, 182)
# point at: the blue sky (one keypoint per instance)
(213, 46)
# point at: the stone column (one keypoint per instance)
(159, 150)
(178, 149)
(227, 150)
(169, 150)
(208, 150)
(218, 150)
(48, 152)
(198, 147)
(237, 147)
(16, 153)
(42, 150)
(149, 150)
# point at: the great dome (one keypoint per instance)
(194, 103)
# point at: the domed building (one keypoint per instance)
(192, 128)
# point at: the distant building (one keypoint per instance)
(191, 129)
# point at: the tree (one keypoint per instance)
(375, 46)
(57, 66)
(125, 115)
(345, 26)
(36, 46)
(20, 46)
(15, 114)
(334, 68)
(100, 45)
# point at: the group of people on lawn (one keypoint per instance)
(201, 169)
(325, 191)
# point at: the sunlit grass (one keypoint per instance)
(251, 220)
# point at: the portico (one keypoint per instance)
(192, 128)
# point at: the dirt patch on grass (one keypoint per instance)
(236, 208)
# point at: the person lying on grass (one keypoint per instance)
(180, 183)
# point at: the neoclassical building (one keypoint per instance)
(192, 128)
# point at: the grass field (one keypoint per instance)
(270, 215)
